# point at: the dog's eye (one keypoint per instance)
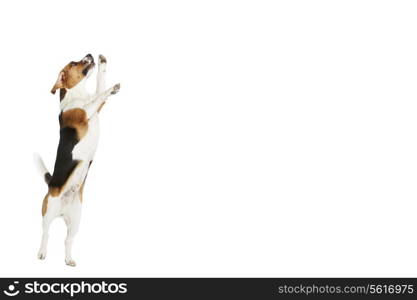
(73, 63)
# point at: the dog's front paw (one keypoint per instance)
(115, 89)
(70, 262)
(102, 59)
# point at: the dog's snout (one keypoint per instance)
(88, 58)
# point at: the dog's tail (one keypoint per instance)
(41, 168)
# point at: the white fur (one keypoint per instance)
(68, 203)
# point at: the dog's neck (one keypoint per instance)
(77, 93)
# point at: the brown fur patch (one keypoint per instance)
(74, 74)
(70, 75)
(55, 191)
(45, 204)
(101, 106)
(77, 119)
(81, 192)
(82, 186)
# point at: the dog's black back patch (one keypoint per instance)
(64, 163)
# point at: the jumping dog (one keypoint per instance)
(79, 133)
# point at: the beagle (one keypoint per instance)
(79, 133)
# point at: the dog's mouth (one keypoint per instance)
(88, 61)
(89, 67)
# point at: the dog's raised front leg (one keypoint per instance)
(92, 107)
(101, 78)
(101, 74)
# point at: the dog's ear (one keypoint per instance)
(59, 84)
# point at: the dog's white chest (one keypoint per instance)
(86, 147)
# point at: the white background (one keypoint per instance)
(249, 138)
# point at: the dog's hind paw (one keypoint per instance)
(70, 262)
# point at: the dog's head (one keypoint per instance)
(73, 73)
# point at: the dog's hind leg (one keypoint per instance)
(46, 222)
(50, 210)
(72, 220)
